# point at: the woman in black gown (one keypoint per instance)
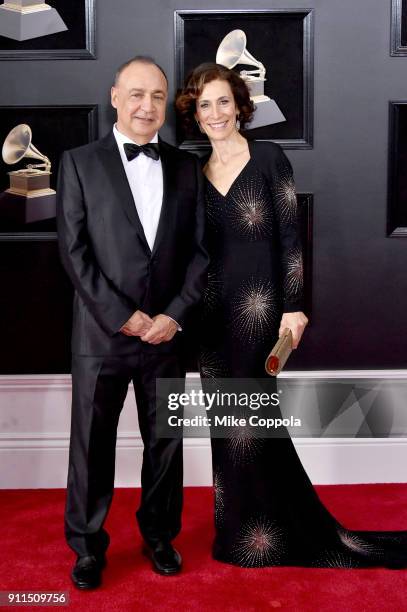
(266, 509)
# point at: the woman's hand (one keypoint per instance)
(296, 322)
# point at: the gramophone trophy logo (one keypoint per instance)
(26, 19)
(232, 52)
(29, 197)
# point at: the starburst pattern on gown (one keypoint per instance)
(395, 537)
(333, 558)
(259, 543)
(357, 544)
(253, 310)
(285, 197)
(294, 273)
(212, 207)
(219, 491)
(242, 445)
(251, 215)
(213, 290)
(211, 364)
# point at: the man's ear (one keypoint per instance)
(113, 97)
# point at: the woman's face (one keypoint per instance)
(216, 110)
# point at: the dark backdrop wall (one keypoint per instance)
(359, 275)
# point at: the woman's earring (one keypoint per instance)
(237, 123)
(200, 127)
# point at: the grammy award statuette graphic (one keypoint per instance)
(29, 197)
(232, 52)
(26, 19)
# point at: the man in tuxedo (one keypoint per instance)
(130, 224)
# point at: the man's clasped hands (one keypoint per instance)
(160, 328)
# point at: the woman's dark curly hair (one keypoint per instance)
(185, 101)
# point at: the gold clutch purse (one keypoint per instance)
(279, 353)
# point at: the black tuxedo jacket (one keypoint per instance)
(105, 252)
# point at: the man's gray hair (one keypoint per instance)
(138, 59)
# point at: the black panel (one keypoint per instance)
(35, 306)
(404, 23)
(397, 208)
(54, 130)
(77, 42)
(281, 40)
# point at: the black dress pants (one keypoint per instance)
(99, 388)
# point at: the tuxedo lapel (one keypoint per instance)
(115, 172)
(169, 194)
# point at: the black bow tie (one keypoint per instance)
(151, 150)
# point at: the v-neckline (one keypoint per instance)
(232, 183)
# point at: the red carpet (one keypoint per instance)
(34, 557)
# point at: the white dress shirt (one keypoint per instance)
(145, 178)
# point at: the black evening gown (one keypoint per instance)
(266, 510)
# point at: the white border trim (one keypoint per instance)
(63, 381)
(34, 442)
(33, 382)
(30, 462)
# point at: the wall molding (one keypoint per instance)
(33, 461)
(63, 381)
(32, 382)
(34, 439)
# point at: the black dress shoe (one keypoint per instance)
(87, 571)
(164, 558)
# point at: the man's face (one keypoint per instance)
(140, 98)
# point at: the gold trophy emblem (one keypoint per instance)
(28, 19)
(29, 197)
(33, 180)
(232, 52)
